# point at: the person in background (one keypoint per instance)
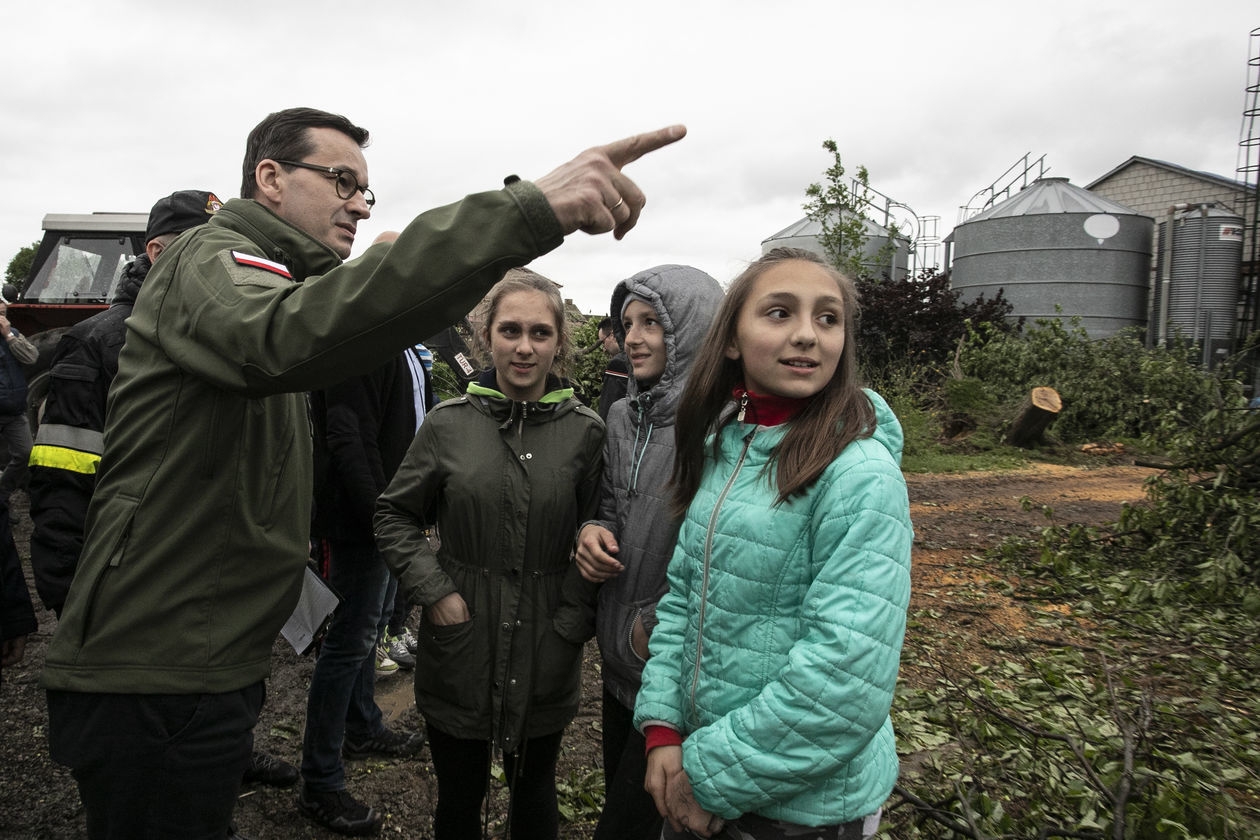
(70, 439)
(16, 350)
(664, 313)
(506, 472)
(616, 372)
(366, 424)
(397, 643)
(68, 445)
(765, 701)
(171, 618)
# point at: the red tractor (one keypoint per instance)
(73, 276)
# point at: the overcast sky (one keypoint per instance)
(110, 105)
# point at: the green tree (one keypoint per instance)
(838, 206)
(20, 265)
(589, 360)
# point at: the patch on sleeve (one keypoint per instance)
(259, 262)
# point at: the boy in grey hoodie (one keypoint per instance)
(660, 317)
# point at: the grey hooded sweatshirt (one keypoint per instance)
(638, 464)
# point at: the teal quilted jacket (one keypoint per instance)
(780, 637)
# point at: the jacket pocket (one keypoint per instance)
(111, 560)
(454, 662)
(557, 678)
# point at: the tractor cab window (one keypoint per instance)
(81, 270)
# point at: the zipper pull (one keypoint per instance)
(743, 406)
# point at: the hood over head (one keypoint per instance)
(685, 300)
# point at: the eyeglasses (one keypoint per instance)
(347, 185)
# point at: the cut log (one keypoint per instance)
(1035, 415)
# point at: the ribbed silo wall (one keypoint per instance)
(1204, 281)
(1044, 260)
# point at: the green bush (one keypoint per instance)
(586, 373)
(1111, 388)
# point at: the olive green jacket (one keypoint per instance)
(198, 529)
(507, 484)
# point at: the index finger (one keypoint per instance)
(630, 149)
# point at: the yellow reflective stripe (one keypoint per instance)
(60, 458)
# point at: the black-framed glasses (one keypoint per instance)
(346, 183)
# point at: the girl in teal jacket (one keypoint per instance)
(765, 701)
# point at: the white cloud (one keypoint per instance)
(107, 106)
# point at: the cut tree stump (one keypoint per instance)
(1035, 415)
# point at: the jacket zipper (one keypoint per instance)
(708, 557)
(636, 454)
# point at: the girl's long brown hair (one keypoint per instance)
(833, 418)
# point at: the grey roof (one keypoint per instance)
(809, 227)
(1171, 167)
(85, 222)
(1052, 195)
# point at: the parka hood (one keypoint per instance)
(685, 300)
(556, 400)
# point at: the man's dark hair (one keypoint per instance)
(605, 325)
(283, 136)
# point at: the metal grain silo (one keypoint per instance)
(804, 234)
(1198, 276)
(1053, 244)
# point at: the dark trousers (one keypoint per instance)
(155, 766)
(629, 812)
(15, 431)
(463, 772)
(342, 696)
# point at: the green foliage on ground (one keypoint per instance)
(1135, 713)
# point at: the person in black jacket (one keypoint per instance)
(68, 443)
(616, 374)
(363, 428)
(15, 350)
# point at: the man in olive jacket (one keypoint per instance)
(197, 534)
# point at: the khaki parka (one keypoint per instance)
(507, 484)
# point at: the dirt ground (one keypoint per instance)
(956, 517)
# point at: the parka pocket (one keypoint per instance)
(117, 536)
(557, 680)
(452, 665)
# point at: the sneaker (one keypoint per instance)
(384, 665)
(409, 639)
(397, 648)
(339, 811)
(266, 768)
(390, 743)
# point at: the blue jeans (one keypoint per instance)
(342, 698)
